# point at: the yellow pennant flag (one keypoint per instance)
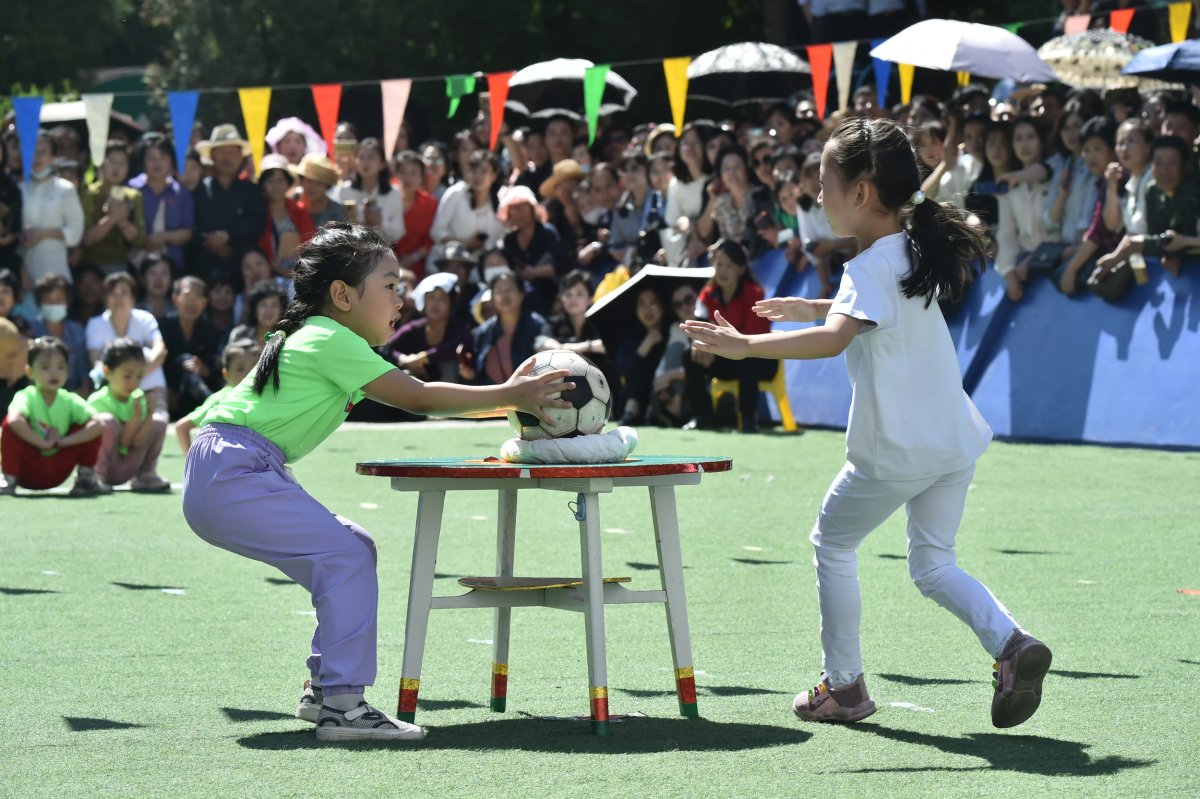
(1180, 16)
(906, 80)
(675, 70)
(963, 78)
(255, 104)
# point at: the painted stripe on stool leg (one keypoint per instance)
(406, 708)
(499, 686)
(600, 710)
(685, 685)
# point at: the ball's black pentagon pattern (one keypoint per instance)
(590, 400)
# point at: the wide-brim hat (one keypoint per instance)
(223, 136)
(277, 162)
(566, 169)
(455, 253)
(517, 195)
(446, 281)
(313, 142)
(318, 168)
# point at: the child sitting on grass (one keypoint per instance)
(133, 438)
(240, 357)
(50, 431)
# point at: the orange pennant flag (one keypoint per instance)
(820, 59)
(497, 97)
(1119, 20)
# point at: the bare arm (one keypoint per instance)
(519, 392)
(25, 431)
(183, 432)
(826, 341)
(93, 429)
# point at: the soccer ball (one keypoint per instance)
(591, 400)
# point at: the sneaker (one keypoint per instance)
(1017, 678)
(834, 704)
(87, 484)
(149, 484)
(310, 703)
(364, 723)
(8, 486)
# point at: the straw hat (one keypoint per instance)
(316, 167)
(658, 132)
(222, 136)
(566, 169)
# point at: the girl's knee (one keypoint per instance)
(362, 535)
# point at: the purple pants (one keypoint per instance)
(237, 495)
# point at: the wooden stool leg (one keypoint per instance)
(420, 598)
(506, 540)
(670, 569)
(593, 611)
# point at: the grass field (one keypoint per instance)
(139, 661)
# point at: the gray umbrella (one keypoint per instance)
(749, 72)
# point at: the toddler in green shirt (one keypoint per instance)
(239, 358)
(133, 437)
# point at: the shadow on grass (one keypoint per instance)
(705, 690)
(906, 679)
(634, 736)
(238, 714)
(756, 562)
(25, 591)
(1189, 662)
(81, 724)
(280, 581)
(1026, 754)
(446, 704)
(893, 557)
(1093, 675)
(1024, 552)
(144, 587)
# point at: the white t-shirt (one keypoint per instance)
(909, 416)
(143, 328)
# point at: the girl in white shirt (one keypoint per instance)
(378, 204)
(913, 435)
(467, 211)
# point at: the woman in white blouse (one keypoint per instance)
(1020, 228)
(467, 212)
(685, 200)
(51, 215)
(377, 203)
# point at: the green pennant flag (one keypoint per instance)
(594, 81)
(458, 87)
(1013, 27)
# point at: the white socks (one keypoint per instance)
(342, 702)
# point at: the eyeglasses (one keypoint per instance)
(684, 302)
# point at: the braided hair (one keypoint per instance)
(338, 251)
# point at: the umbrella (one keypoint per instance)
(952, 46)
(750, 72)
(1177, 63)
(615, 315)
(1095, 58)
(554, 88)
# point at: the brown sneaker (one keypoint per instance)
(1018, 680)
(839, 704)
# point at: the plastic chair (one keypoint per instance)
(775, 387)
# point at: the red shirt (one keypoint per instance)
(738, 312)
(418, 219)
(300, 217)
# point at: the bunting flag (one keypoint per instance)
(395, 102)
(1119, 20)
(256, 102)
(883, 74)
(1180, 16)
(675, 70)
(327, 97)
(497, 97)
(458, 87)
(820, 57)
(594, 80)
(97, 108)
(182, 106)
(28, 111)
(964, 78)
(1076, 24)
(906, 80)
(1014, 27)
(843, 66)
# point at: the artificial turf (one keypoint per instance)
(139, 661)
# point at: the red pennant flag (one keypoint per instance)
(497, 97)
(327, 97)
(820, 59)
(1119, 20)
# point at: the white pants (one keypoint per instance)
(855, 505)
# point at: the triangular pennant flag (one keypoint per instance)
(906, 79)
(1119, 20)
(1180, 15)
(327, 97)
(458, 87)
(98, 110)
(28, 111)
(843, 65)
(594, 80)
(675, 70)
(1014, 27)
(182, 106)
(497, 97)
(256, 103)
(963, 78)
(395, 101)
(820, 58)
(883, 74)
(1076, 24)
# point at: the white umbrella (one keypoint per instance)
(748, 72)
(555, 88)
(1095, 59)
(953, 46)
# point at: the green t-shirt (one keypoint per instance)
(67, 410)
(195, 416)
(104, 402)
(322, 369)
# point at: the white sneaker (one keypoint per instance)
(309, 708)
(8, 486)
(364, 723)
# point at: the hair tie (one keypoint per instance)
(917, 197)
(282, 335)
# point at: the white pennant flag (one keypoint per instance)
(395, 101)
(843, 65)
(98, 110)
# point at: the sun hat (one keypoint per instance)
(516, 195)
(313, 142)
(446, 281)
(223, 136)
(316, 167)
(564, 170)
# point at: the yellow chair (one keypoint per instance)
(776, 387)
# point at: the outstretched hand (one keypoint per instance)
(534, 394)
(720, 339)
(788, 309)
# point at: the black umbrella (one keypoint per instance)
(750, 72)
(615, 315)
(553, 88)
